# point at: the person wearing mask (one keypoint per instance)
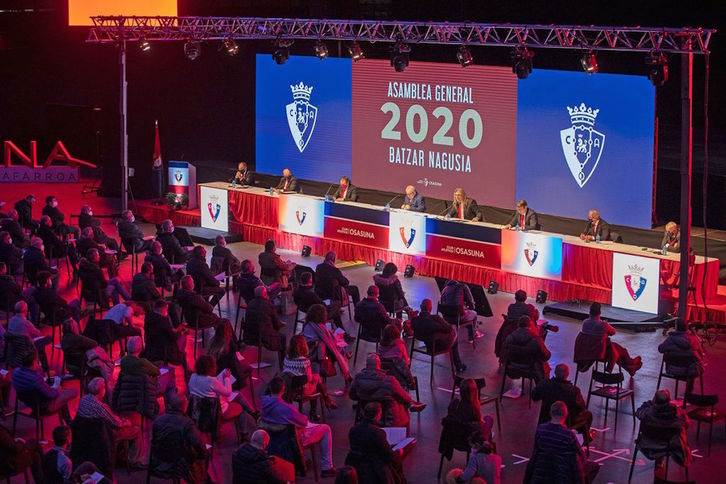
(75, 347)
(413, 200)
(520, 307)
(20, 325)
(199, 270)
(248, 281)
(230, 263)
(288, 182)
(11, 225)
(164, 275)
(122, 315)
(57, 218)
(165, 342)
(24, 208)
(305, 296)
(143, 289)
(195, 308)
(171, 247)
(131, 234)
(684, 343)
(243, 176)
(57, 465)
(671, 238)
(225, 350)
(54, 246)
(390, 290)
(394, 357)
(465, 208)
(430, 328)
(372, 316)
(107, 257)
(328, 278)
(86, 219)
(10, 254)
(528, 339)
(596, 326)
(596, 228)
(524, 218)
(93, 279)
(466, 409)
(272, 268)
(34, 261)
(204, 383)
(346, 192)
(10, 290)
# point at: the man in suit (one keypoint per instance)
(164, 276)
(243, 176)
(13, 227)
(431, 328)
(371, 314)
(524, 218)
(193, 305)
(170, 245)
(671, 238)
(595, 227)
(131, 233)
(87, 243)
(57, 218)
(413, 200)
(559, 388)
(143, 289)
(34, 261)
(520, 307)
(230, 263)
(325, 275)
(465, 208)
(24, 208)
(92, 279)
(288, 183)
(305, 296)
(261, 319)
(86, 219)
(54, 246)
(345, 192)
(201, 273)
(11, 255)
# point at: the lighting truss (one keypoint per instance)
(113, 29)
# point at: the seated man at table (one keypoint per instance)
(345, 192)
(243, 176)
(595, 326)
(465, 208)
(413, 200)
(288, 182)
(596, 227)
(671, 238)
(524, 218)
(170, 245)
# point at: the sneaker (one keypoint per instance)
(417, 407)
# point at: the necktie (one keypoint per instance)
(287, 181)
(461, 210)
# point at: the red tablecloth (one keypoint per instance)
(254, 209)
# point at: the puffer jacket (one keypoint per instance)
(376, 386)
(683, 344)
(530, 344)
(391, 293)
(135, 393)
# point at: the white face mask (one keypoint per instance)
(54, 203)
(133, 219)
(90, 213)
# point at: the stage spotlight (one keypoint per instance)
(589, 63)
(230, 45)
(657, 64)
(464, 56)
(522, 62)
(356, 53)
(282, 51)
(321, 50)
(144, 46)
(493, 287)
(409, 272)
(379, 265)
(399, 56)
(192, 49)
(306, 251)
(541, 297)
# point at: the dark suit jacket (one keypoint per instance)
(15, 230)
(418, 204)
(129, 231)
(674, 245)
(162, 269)
(92, 278)
(552, 390)
(372, 317)
(291, 186)
(25, 212)
(201, 273)
(85, 220)
(53, 245)
(603, 229)
(351, 194)
(84, 245)
(531, 221)
(471, 210)
(190, 300)
(432, 327)
(325, 274)
(304, 297)
(56, 216)
(143, 289)
(9, 291)
(12, 256)
(246, 178)
(34, 261)
(261, 318)
(247, 284)
(229, 258)
(160, 337)
(172, 249)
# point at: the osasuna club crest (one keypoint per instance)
(581, 143)
(407, 241)
(214, 210)
(301, 115)
(634, 281)
(300, 216)
(531, 253)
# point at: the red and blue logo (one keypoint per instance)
(300, 218)
(407, 241)
(214, 210)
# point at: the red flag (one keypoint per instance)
(157, 149)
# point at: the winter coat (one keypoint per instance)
(135, 393)
(376, 386)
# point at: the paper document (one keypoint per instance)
(396, 436)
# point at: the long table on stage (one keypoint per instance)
(467, 251)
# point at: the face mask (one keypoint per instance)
(54, 203)
(90, 213)
(133, 219)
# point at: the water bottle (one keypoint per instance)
(597, 238)
(665, 248)
(447, 216)
(234, 182)
(271, 191)
(388, 206)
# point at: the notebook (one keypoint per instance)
(396, 436)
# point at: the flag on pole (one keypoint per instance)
(157, 172)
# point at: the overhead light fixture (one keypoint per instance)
(657, 64)
(589, 62)
(321, 50)
(192, 49)
(230, 45)
(399, 56)
(356, 53)
(145, 45)
(522, 62)
(464, 56)
(282, 51)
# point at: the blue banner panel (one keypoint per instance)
(357, 212)
(464, 230)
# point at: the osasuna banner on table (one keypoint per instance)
(532, 254)
(302, 215)
(407, 232)
(214, 208)
(635, 282)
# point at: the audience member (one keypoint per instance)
(57, 218)
(466, 409)
(329, 281)
(143, 289)
(54, 246)
(95, 284)
(595, 326)
(132, 237)
(107, 257)
(197, 311)
(57, 465)
(204, 279)
(164, 275)
(17, 455)
(10, 254)
(135, 365)
(394, 356)
(272, 268)
(34, 261)
(24, 208)
(86, 219)
(11, 225)
(297, 364)
(559, 388)
(431, 328)
(262, 324)
(520, 308)
(172, 249)
(165, 343)
(225, 350)
(326, 345)
(684, 343)
(527, 338)
(484, 466)
(10, 291)
(248, 281)
(230, 263)
(370, 453)
(19, 325)
(458, 294)
(75, 347)
(125, 325)
(52, 304)
(390, 289)
(251, 464)
(372, 316)
(305, 296)
(205, 383)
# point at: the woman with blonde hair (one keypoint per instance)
(465, 208)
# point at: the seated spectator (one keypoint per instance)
(684, 343)
(131, 234)
(527, 338)
(195, 308)
(262, 323)
(346, 475)
(230, 263)
(298, 364)
(276, 411)
(107, 261)
(19, 325)
(17, 455)
(431, 328)
(54, 246)
(10, 254)
(484, 466)
(34, 261)
(93, 280)
(329, 279)
(520, 308)
(75, 346)
(198, 269)
(325, 343)
(372, 316)
(272, 268)
(661, 412)
(10, 291)
(171, 248)
(143, 289)
(394, 356)
(373, 385)
(248, 281)
(251, 464)
(390, 290)
(91, 406)
(14, 229)
(165, 343)
(57, 466)
(164, 275)
(595, 326)
(305, 296)
(559, 388)
(31, 388)
(24, 208)
(49, 301)
(557, 455)
(177, 446)
(205, 384)
(86, 219)
(125, 325)
(225, 349)
(466, 409)
(456, 293)
(370, 453)
(135, 365)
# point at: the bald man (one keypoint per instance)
(595, 227)
(288, 182)
(413, 200)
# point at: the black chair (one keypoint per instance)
(241, 304)
(431, 354)
(661, 435)
(94, 296)
(518, 364)
(483, 400)
(51, 319)
(452, 315)
(130, 246)
(611, 389)
(206, 412)
(152, 470)
(190, 319)
(454, 436)
(285, 443)
(294, 394)
(365, 337)
(675, 367)
(251, 339)
(705, 412)
(389, 365)
(388, 298)
(33, 411)
(218, 265)
(199, 289)
(298, 319)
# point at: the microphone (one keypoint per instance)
(388, 205)
(328, 191)
(446, 209)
